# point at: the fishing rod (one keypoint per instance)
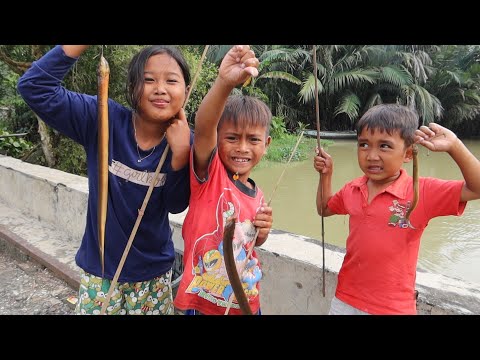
(317, 114)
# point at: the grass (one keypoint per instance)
(281, 148)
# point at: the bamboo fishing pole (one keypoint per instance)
(147, 196)
(317, 115)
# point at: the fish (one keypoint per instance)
(103, 77)
(415, 185)
(232, 272)
(247, 82)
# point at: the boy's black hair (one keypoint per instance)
(391, 118)
(136, 68)
(243, 111)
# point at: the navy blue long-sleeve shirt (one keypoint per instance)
(75, 115)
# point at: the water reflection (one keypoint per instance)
(450, 245)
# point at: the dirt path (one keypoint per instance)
(27, 288)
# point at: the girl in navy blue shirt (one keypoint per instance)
(157, 84)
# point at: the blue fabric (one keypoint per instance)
(75, 115)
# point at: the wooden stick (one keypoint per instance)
(317, 114)
(12, 135)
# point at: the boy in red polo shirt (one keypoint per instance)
(379, 269)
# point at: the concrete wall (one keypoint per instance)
(292, 263)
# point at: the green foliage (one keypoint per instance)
(22, 120)
(71, 157)
(8, 82)
(17, 118)
(301, 126)
(205, 80)
(83, 76)
(281, 149)
(442, 82)
(349, 104)
(278, 129)
(251, 90)
(13, 146)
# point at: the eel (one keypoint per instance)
(415, 185)
(103, 76)
(232, 272)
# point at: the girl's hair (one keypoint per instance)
(136, 68)
(391, 118)
(243, 111)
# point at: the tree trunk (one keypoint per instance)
(46, 142)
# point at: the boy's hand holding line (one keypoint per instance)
(238, 65)
(263, 222)
(436, 138)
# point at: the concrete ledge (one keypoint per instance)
(292, 263)
(49, 195)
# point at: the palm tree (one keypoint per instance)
(456, 82)
(341, 74)
(353, 78)
(278, 64)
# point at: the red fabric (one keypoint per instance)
(379, 269)
(204, 285)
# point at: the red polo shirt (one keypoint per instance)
(379, 269)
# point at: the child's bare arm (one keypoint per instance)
(263, 222)
(74, 51)
(323, 163)
(178, 136)
(237, 65)
(439, 138)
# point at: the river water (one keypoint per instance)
(450, 245)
